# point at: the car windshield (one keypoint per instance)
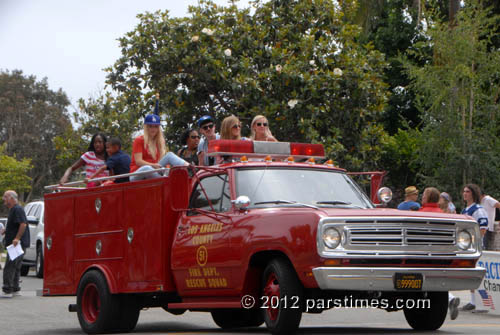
(289, 187)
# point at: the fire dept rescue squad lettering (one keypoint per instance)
(204, 277)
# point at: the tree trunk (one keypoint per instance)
(454, 6)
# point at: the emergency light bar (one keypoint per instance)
(238, 148)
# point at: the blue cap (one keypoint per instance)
(204, 119)
(152, 119)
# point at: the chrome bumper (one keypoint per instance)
(382, 279)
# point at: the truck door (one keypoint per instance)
(202, 240)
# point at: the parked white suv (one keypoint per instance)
(34, 254)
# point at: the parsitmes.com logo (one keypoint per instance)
(249, 301)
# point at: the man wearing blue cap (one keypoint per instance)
(207, 129)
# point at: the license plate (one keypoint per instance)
(408, 281)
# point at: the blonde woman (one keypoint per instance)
(260, 130)
(231, 129)
(150, 152)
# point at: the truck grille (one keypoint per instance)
(398, 236)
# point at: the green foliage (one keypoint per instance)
(297, 62)
(104, 114)
(32, 115)
(13, 172)
(458, 98)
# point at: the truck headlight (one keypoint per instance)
(464, 240)
(331, 237)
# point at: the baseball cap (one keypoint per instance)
(204, 119)
(152, 119)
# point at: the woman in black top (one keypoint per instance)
(189, 152)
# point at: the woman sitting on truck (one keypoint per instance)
(93, 159)
(230, 129)
(149, 151)
(260, 130)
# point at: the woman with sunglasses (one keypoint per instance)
(260, 130)
(149, 151)
(230, 129)
(189, 152)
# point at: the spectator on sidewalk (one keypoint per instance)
(489, 204)
(17, 232)
(430, 199)
(472, 197)
(410, 203)
(446, 204)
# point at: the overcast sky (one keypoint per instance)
(71, 41)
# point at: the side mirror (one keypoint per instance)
(179, 182)
(32, 219)
(384, 194)
(241, 202)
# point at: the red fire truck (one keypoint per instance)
(268, 234)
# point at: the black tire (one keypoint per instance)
(280, 280)
(428, 317)
(96, 307)
(25, 269)
(237, 318)
(127, 314)
(39, 262)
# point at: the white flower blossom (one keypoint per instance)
(312, 62)
(195, 38)
(279, 68)
(116, 124)
(228, 52)
(207, 31)
(338, 72)
(292, 103)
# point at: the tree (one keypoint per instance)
(458, 97)
(104, 114)
(14, 173)
(297, 62)
(32, 115)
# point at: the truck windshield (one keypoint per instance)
(288, 187)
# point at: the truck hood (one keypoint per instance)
(373, 213)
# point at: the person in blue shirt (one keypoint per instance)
(472, 198)
(117, 163)
(410, 203)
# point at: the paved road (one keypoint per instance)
(30, 314)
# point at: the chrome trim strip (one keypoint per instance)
(381, 279)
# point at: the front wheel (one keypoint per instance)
(39, 262)
(282, 293)
(427, 313)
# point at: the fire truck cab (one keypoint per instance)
(254, 239)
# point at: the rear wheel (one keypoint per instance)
(127, 314)
(427, 317)
(39, 262)
(237, 318)
(96, 307)
(282, 293)
(25, 269)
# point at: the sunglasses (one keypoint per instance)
(194, 137)
(236, 126)
(259, 124)
(208, 126)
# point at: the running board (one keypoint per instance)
(205, 304)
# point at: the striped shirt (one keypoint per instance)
(92, 164)
(478, 213)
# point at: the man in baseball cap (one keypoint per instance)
(207, 129)
(410, 203)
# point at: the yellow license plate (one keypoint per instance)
(408, 281)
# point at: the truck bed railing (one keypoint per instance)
(67, 186)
